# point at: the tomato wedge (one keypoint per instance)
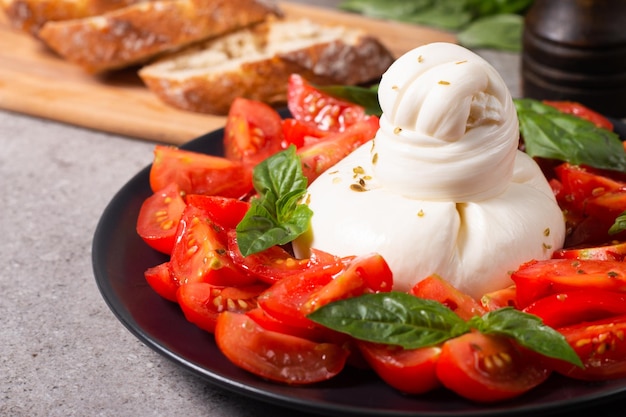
(200, 253)
(499, 298)
(601, 346)
(159, 216)
(488, 368)
(319, 110)
(573, 307)
(411, 371)
(275, 263)
(197, 173)
(582, 111)
(436, 288)
(318, 157)
(275, 356)
(202, 303)
(537, 279)
(160, 279)
(226, 212)
(253, 132)
(609, 252)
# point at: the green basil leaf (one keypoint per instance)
(501, 31)
(529, 331)
(550, 133)
(386, 9)
(363, 96)
(619, 225)
(394, 318)
(276, 216)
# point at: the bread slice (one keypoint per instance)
(138, 32)
(256, 63)
(30, 15)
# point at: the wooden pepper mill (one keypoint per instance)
(576, 50)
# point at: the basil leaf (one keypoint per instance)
(527, 330)
(619, 225)
(276, 216)
(366, 97)
(502, 31)
(394, 318)
(386, 9)
(550, 133)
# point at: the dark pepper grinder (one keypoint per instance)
(576, 50)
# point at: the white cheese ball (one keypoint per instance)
(442, 188)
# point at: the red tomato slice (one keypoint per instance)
(300, 134)
(436, 288)
(200, 253)
(197, 173)
(160, 279)
(537, 279)
(275, 356)
(316, 334)
(601, 346)
(318, 157)
(487, 368)
(581, 111)
(202, 303)
(412, 371)
(159, 216)
(364, 274)
(253, 132)
(499, 298)
(573, 307)
(226, 212)
(610, 252)
(320, 110)
(275, 263)
(285, 299)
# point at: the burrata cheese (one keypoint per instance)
(442, 188)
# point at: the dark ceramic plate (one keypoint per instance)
(120, 258)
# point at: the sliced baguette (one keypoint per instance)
(256, 63)
(136, 33)
(30, 15)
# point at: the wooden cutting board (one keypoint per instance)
(36, 82)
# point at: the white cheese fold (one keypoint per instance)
(442, 187)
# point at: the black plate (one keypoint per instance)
(120, 257)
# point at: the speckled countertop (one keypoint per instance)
(62, 351)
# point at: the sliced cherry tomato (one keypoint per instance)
(253, 132)
(412, 371)
(300, 134)
(615, 251)
(201, 303)
(576, 306)
(226, 212)
(581, 111)
(601, 346)
(318, 109)
(276, 356)
(200, 253)
(316, 334)
(488, 368)
(436, 288)
(320, 156)
(160, 279)
(197, 173)
(159, 216)
(275, 263)
(499, 298)
(364, 274)
(285, 299)
(537, 279)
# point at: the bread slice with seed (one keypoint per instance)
(139, 32)
(256, 63)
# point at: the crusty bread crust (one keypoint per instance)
(138, 32)
(256, 63)
(30, 15)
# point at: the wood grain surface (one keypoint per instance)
(34, 81)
